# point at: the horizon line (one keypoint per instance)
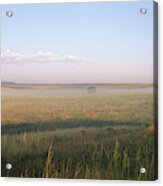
(90, 83)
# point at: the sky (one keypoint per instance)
(105, 42)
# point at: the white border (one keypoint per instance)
(54, 1)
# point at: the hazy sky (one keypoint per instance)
(77, 43)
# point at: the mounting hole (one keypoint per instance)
(9, 14)
(143, 11)
(142, 170)
(8, 166)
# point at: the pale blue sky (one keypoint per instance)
(78, 43)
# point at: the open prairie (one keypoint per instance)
(78, 86)
(78, 131)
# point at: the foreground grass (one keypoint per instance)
(105, 153)
(81, 136)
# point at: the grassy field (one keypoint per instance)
(96, 136)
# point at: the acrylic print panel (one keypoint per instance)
(78, 97)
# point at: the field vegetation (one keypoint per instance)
(92, 136)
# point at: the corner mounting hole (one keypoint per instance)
(142, 170)
(8, 166)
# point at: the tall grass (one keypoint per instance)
(78, 136)
(65, 154)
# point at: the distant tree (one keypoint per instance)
(91, 89)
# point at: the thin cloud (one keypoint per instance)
(9, 56)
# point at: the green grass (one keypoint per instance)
(78, 136)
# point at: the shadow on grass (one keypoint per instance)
(60, 124)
